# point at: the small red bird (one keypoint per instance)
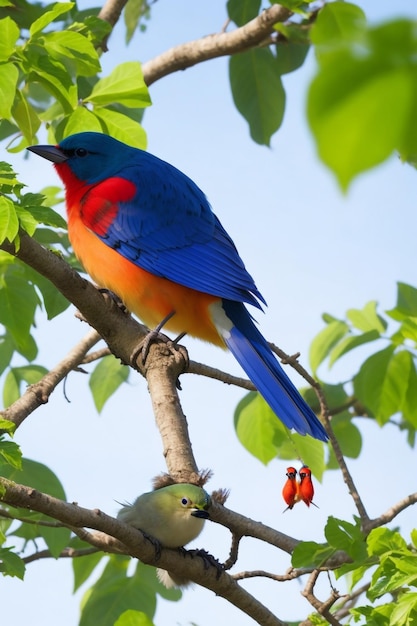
(296, 491)
(290, 491)
(306, 488)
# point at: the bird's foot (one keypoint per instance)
(114, 298)
(156, 544)
(154, 335)
(208, 560)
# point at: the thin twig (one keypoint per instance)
(392, 512)
(38, 394)
(321, 607)
(68, 553)
(325, 412)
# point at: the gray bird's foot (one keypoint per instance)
(156, 544)
(154, 335)
(208, 560)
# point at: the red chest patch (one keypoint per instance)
(97, 204)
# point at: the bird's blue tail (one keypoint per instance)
(255, 356)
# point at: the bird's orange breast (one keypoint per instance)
(150, 297)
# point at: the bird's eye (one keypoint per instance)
(81, 152)
(185, 501)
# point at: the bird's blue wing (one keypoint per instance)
(169, 229)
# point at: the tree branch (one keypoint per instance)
(392, 512)
(325, 411)
(188, 54)
(38, 394)
(137, 545)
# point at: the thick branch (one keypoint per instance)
(162, 376)
(139, 547)
(188, 54)
(112, 10)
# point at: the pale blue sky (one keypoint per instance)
(309, 249)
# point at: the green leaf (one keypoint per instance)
(75, 49)
(11, 453)
(7, 426)
(55, 538)
(11, 564)
(405, 609)
(29, 374)
(365, 107)
(25, 117)
(36, 475)
(381, 383)
(132, 14)
(373, 616)
(343, 535)
(125, 85)
(258, 428)
(291, 56)
(84, 566)
(337, 24)
(6, 352)
(49, 16)
(364, 94)
(122, 127)
(53, 300)
(9, 76)
(348, 437)
(133, 618)
(350, 343)
(382, 540)
(115, 592)
(9, 34)
(323, 343)
(406, 302)
(409, 407)
(367, 319)
(54, 76)
(242, 11)
(81, 119)
(9, 224)
(26, 220)
(258, 92)
(106, 378)
(311, 554)
(393, 575)
(18, 302)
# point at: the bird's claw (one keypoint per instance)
(114, 298)
(156, 544)
(208, 560)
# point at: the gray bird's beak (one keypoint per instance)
(52, 153)
(200, 513)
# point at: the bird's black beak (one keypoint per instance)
(52, 153)
(200, 513)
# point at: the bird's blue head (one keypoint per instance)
(92, 157)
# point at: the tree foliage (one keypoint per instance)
(364, 95)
